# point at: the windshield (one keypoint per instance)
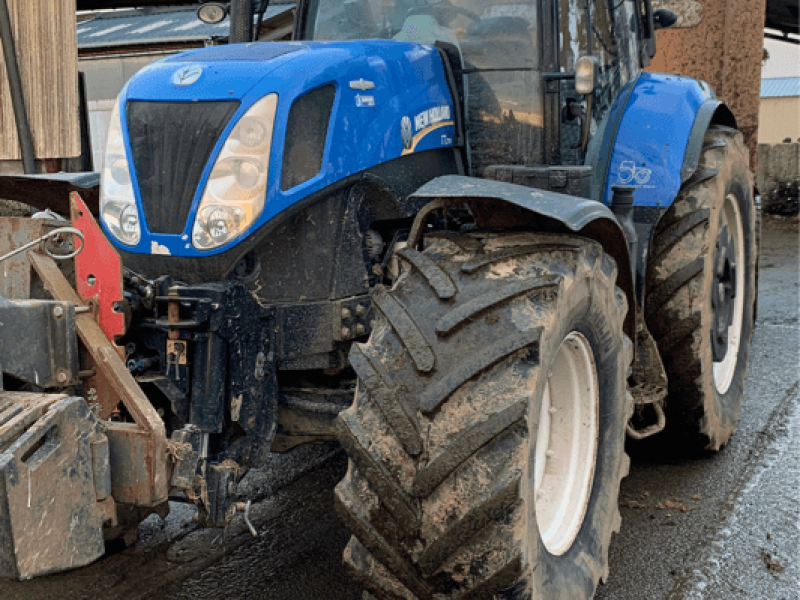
(498, 45)
(499, 34)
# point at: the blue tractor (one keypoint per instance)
(472, 240)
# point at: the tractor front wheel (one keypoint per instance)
(486, 440)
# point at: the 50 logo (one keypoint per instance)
(629, 173)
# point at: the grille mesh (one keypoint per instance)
(306, 132)
(171, 143)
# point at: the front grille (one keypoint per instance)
(171, 143)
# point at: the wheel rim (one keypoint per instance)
(566, 444)
(727, 294)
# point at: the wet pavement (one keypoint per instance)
(725, 526)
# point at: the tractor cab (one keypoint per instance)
(536, 80)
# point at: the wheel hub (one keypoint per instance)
(727, 294)
(566, 444)
(723, 292)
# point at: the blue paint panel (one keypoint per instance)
(218, 81)
(653, 135)
(409, 79)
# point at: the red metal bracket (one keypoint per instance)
(98, 270)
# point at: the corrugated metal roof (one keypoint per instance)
(780, 87)
(157, 27)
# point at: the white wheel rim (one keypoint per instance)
(566, 444)
(724, 369)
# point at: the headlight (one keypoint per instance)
(237, 187)
(251, 131)
(118, 209)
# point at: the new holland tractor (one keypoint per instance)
(471, 240)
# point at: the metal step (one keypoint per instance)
(55, 484)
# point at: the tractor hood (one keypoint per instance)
(230, 72)
(340, 109)
(217, 73)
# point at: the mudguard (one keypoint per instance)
(656, 145)
(653, 142)
(549, 211)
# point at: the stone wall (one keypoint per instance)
(778, 177)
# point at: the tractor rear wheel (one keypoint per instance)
(701, 293)
(486, 439)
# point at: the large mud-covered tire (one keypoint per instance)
(705, 244)
(441, 489)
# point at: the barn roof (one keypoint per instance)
(156, 26)
(780, 87)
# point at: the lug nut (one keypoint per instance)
(360, 310)
(345, 332)
(346, 314)
(360, 329)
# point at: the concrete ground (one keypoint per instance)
(722, 527)
(726, 526)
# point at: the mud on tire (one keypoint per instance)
(701, 293)
(439, 492)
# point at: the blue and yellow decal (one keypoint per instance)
(431, 128)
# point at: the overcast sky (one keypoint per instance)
(784, 60)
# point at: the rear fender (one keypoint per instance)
(656, 146)
(497, 204)
(653, 143)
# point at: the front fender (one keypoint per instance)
(539, 210)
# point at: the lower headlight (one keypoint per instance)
(236, 190)
(122, 220)
(217, 224)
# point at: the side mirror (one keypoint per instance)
(211, 13)
(664, 18)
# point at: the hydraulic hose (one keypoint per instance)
(262, 8)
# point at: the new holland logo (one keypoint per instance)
(406, 132)
(187, 75)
